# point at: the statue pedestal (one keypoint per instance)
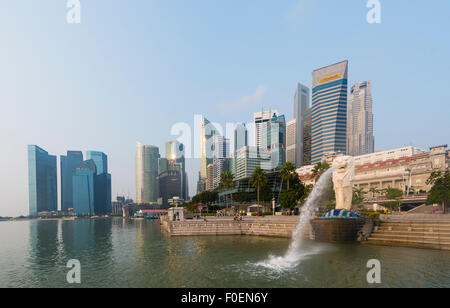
(337, 230)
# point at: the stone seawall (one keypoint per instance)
(273, 227)
(416, 231)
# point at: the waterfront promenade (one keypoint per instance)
(415, 231)
(271, 226)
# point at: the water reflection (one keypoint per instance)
(121, 253)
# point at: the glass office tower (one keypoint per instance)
(84, 188)
(103, 205)
(273, 141)
(301, 104)
(360, 138)
(100, 159)
(42, 181)
(240, 137)
(102, 194)
(175, 154)
(306, 136)
(68, 164)
(207, 132)
(329, 115)
(147, 188)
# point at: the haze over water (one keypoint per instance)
(118, 253)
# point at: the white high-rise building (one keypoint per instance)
(360, 139)
(301, 104)
(147, 188)
(259, 119)
(291, 141)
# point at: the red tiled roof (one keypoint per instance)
(391, 162)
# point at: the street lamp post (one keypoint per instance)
(446, 176)
(273, 206)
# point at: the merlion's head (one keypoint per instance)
(343, 162)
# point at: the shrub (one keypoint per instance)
(371, 214)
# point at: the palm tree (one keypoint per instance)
(374, 191)
(358, 196)
(227, 182)
(319, 169)
(258, 179)
(287, 173)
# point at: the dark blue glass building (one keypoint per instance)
(42, 181)
(83, 182)
(92, 186)
(100, 159)
(102, 194)
(68, 165)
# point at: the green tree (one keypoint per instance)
(358, 196)
(206, 197)
(396, 195)
(288, 199)
(226, 183)
(373, 191)
(258, 179)
(306, 191)
(287, 173)
(242, 196)
(439, 193)
(319, 169)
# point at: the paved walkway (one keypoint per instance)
(417, 217)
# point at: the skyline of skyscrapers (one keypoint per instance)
(315, 131)
(42, 181)
(329, 115)
(82, 187)
(360, 138)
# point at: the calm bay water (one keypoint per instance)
(118, 253)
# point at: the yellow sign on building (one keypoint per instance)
(332, 77)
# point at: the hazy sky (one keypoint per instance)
(132, 69)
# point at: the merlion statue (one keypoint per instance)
(343, 181)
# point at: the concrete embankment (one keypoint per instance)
(268, 226)
(415, 231)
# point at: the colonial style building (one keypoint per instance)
(406, 173)
(407, 169)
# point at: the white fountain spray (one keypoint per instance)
(294, 255)
(308, 210)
